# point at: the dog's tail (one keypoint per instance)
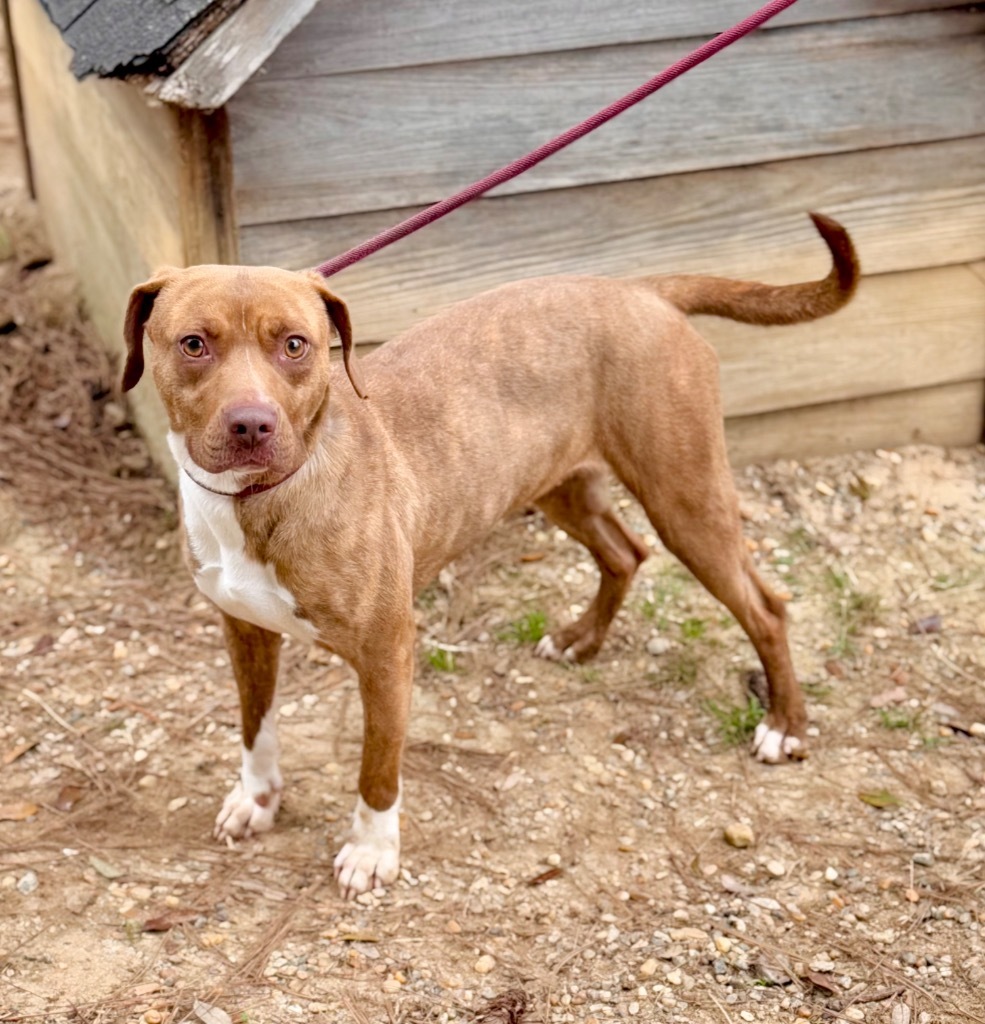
(755, 303)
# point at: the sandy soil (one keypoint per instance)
(565, 857)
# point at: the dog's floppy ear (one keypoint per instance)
(138, 311)
(338, 313)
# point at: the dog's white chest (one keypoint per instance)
(239, 585)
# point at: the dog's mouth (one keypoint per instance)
(235, 458)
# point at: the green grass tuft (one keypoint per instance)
(441, 660)
(527, 629)
(693, 629)
(736, 724)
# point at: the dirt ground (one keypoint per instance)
(565, 855)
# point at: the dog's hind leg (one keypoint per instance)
(252, 804)
(580, 506)
(709, 542)
(675, 463)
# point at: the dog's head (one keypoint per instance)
(241, 360)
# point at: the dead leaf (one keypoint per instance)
(533, 556)
(209, 1014)
(928, 624)
(359, 937)
(166, 922)
(823, 981)
(508, 1008)
(106, 869)
(894, 696)
(45, 643)
(912, 895)
(545, 876)
(68, 797)
(19, 751)
(835, 668)
(18, 811)
(880, 798)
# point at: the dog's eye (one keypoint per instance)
(193, 346)
(295, 347)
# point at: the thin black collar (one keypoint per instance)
(246, 492)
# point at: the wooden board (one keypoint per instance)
(375, 140)
(951, 415)
(115, 184)
(11, 156)
(357, 35)
(907, 207)
(919, 328)
(232, 53)
(208, 215)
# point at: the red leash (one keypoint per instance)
(524, 163)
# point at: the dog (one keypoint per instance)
(318, 509)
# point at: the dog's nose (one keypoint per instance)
(251, 425)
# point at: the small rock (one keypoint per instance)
(27, 883)
(900, 1014)
(69, 636)
(770, 974)
(687, 935)
(177, 803)
(854, 1013)
(925, 859)
(738, 835)
(484, 964)
(831, 874)
(746, 1015)
(722, 943)
(648, 968)
(977, 729)
(675, 977)
(776, 868)
(391, 985)
(658, 645)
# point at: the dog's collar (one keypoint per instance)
(246, 492)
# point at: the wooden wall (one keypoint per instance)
(124, 186)
(870, 110)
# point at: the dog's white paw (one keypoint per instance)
(243, 814)
(546, 648)
(371, 857)
(773, 746)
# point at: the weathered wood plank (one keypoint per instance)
(208, 214)
(232, 53)
(107, 173)
(391, 138)
(907, 207)
(11, 158)
(359, 35)
(919, 328)
(950, 415)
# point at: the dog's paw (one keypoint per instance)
(371, 857)
(244, 814)
(546, 648)
(774, 746)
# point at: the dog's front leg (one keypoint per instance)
(253, 802)
(371, 856)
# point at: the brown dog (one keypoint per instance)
(312, 512)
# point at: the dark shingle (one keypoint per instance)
(119, 37)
